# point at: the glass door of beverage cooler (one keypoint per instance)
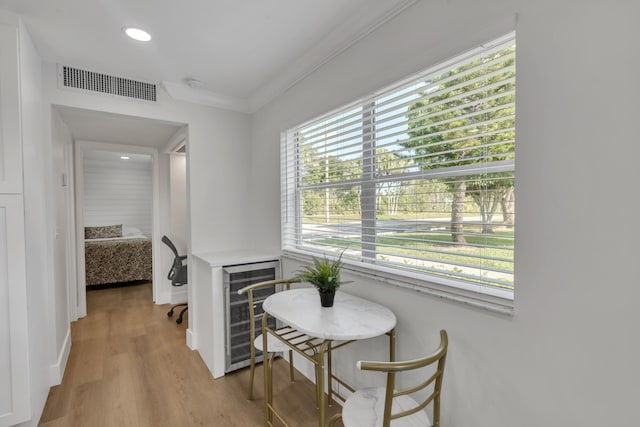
(238, 339)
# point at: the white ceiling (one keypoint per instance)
(246, 52)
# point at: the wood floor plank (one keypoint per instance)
(129, 366)
(122, 403)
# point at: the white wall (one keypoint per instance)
(61, 150)
(217, 182)
(178, 192)
(218, 149)
(568, 356)
(118, 191)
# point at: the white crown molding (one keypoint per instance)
(183, 92)
(337, 41)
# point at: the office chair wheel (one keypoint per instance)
(170, 313)
(182, 312)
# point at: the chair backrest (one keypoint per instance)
(178, 272)
(437, 358)
(169, 243)
(249, 290)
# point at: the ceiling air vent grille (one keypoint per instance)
(104, 83)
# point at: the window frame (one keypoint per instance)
(491, 298)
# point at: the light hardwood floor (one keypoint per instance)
(129, 366)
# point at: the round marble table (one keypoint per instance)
(351, 318)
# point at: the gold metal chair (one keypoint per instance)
(377, 407)
(274, 345)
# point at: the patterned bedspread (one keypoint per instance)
(117, 260)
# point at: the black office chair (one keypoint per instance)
(177, 275)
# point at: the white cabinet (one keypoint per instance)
(10, 140)
(206, 331)
(14, 346)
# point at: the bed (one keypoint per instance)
(114, 256)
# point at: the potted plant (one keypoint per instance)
(324, 274)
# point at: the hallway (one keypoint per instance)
(129, 366)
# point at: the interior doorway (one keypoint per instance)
(118, 218)
(80, 131)
(117, 212)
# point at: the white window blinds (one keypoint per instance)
(418, 178)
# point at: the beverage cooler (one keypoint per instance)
(238, 340)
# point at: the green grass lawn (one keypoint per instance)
(436, 246)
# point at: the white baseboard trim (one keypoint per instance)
(56, 371)
(192, 340)
(172, 296)
(179, 295)
(163, 298)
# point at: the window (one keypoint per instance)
(417, 179)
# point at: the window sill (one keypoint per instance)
(497, 302)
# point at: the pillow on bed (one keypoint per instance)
(129, 231)
(103, 231)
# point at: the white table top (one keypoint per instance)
(244, 256)
(350, 317)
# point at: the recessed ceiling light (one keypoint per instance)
(137, 34)
(124, 157)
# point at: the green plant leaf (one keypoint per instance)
(324, 274)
